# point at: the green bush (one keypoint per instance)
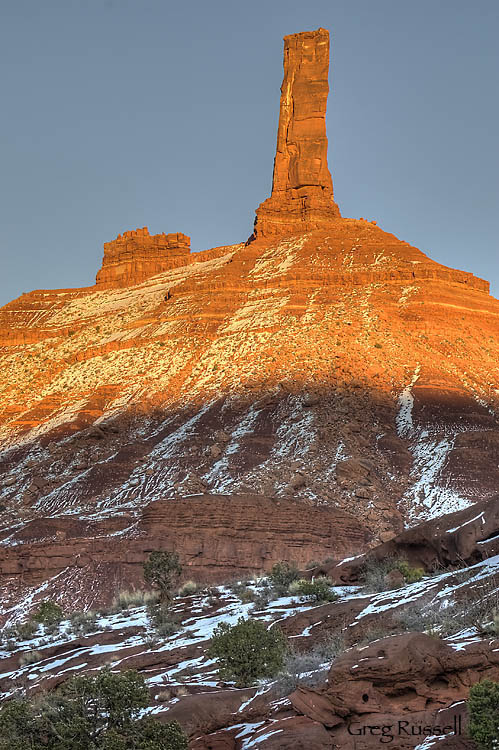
(375, 572)
(483, 707)
(411, 575)
(243, 592)
(88, 713)
(48, 613)
(162, 570)
(281, 575)
(162, 620)
(248, 651)
(317, 590)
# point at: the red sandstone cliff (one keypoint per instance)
(326, 363)
(301, 396)
(302, 188)
(136, 255)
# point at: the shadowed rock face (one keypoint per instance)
(302, 188)
(414, 676)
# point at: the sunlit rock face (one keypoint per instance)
(323, 364)
(135, 255)
(302, 188)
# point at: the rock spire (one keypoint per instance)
(302, 188)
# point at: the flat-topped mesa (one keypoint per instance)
(302, 188)
(136, 255)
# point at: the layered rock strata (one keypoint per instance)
(302, 188)
(218, 538)
(136, 255)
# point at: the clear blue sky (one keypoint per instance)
(122, 113)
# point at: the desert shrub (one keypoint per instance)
(374, 573)
(261, 600)
(237, 587)
(48, 613)
(247, 651)
(165, 695)
(318, 590)
(100, 712)
(242, 590)
(430, 619)
(300, 669)
(308, 668)
(83, 622)
(188, 588)
(125, 599)
(312, 564)
(483, 708)
(162, 571)
(475, 606)
(281, 575)
(167, 628)
(411, 575)
(492, 627)
(162, 620)
(30, 657)
(25, 631)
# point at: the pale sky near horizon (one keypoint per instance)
(119, 114)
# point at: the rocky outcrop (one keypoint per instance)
(412, 678)
(467, 536)
(302, 188)
(136, 255)
(335, 366)
(219, 538)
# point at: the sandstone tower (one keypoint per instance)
(302, 188)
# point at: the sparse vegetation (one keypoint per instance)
(243, 592)
(100, 712)
(126, 599)
(247, 651)
(308, 668)
(376, 573)
(189, 588)
(281, 575)
(261, 600)
(316, 590)
(22, 631)
(492, 627)
(30, 657)
(83, 622)
(48, 613)
(162, 571)
(312, 564)
(483, 708)
(162, 620)
(476, 607)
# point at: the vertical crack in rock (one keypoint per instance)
(302, 188)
